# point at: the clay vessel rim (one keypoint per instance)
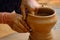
(43, 16)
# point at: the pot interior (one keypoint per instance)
(44, 12)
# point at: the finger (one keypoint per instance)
(24, 23)
(16, 28)
(20, 25)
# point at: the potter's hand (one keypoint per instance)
(34, 4)
(15, 22)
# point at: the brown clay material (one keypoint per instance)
(41, 24)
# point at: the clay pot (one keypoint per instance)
(42, 23)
